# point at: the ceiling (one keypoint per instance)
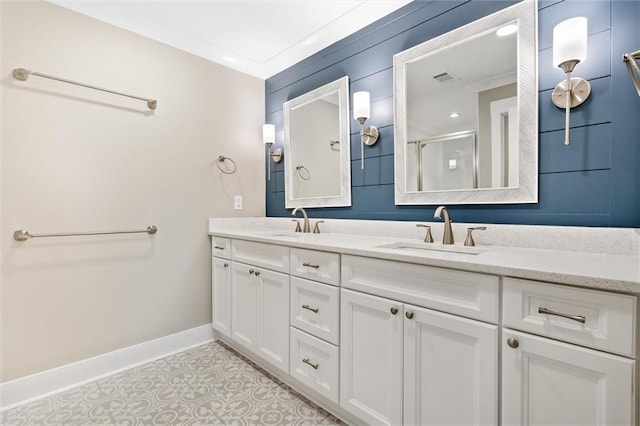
(258, 37)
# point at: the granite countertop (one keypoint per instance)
(610, 268)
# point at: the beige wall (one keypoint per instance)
(75, 159)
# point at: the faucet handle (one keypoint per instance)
(428, 238)
(298, 229)
(316, 229)
(469, 240)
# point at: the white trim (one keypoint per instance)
(500, 108)
(40, 385)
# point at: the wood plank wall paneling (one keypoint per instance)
(592, 182)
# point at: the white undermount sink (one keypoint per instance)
(291, 235)
(409, 246)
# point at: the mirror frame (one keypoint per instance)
(342, 87)
(525, 14)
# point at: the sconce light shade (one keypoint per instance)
(570, 41)
(268, 134)
(361, 106)
(361, 112)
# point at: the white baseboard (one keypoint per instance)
(39, 385)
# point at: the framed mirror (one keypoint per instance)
(317, 170)
(466, 113)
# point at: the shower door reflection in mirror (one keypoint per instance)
(443, 163)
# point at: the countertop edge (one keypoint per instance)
(454, 261)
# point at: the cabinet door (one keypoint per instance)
(545, 382)
(273, 317)
(450, 369)
(371, 358)
(244, 305)
(221, 296)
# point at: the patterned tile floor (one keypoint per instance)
(207, 385)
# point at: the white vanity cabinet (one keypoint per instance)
(221, 285)
(393, 343)
(260, 300)
(406, 364)
(550, 382)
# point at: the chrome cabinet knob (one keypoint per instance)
(394, 311)
(257, 273)
(513, 342)
(226, 265)
(409, 315)
(251, 271)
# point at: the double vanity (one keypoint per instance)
(380, 327)
(529, 325)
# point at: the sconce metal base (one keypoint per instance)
(580, 91)
(276, 155)
(370, 135)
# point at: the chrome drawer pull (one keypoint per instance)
(580, 318)
(218, 248)
(306, 361)
(226, 265)
(311, 265)
(314, 310)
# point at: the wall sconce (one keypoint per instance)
(268, 138)
(361, 112)
(569, 49)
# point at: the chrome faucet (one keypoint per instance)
(305, 227)
(447, 238)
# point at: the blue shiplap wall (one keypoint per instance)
(593, 182)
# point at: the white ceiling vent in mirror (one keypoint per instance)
(466, 113)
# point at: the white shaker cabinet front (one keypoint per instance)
(371, 358)
(403, 364)
(260, 312)
(450, 369)
(578, 380)
(221, 296)
(545, 382)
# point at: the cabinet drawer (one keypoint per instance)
(462, 293)
(316, 265)
(600, 320)
(315, 309)
(268, 256)
(315, 363)
(221, 247)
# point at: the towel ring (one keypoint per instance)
(222, 159)
(299, 171)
